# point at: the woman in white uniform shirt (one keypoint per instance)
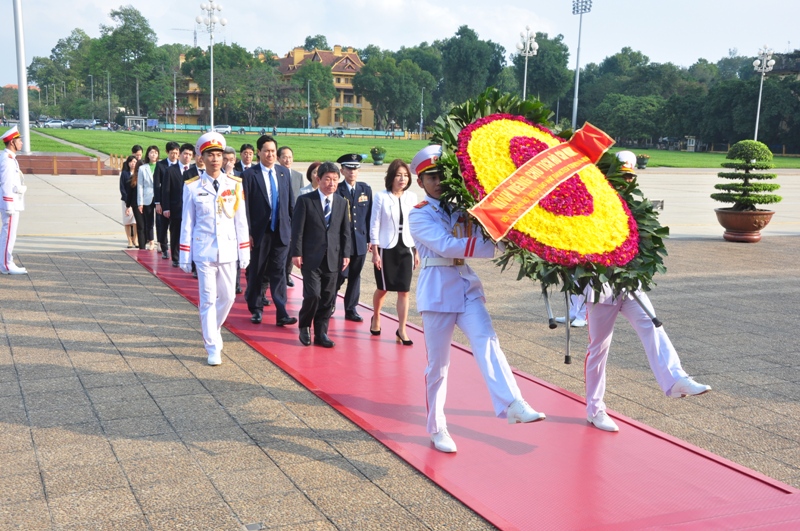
(393, 254)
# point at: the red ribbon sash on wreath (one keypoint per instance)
(523, 189)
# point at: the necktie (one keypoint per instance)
(327, 212)
(216, 185)
(273, 190)
(185, 168)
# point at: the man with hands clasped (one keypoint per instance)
(214, 235)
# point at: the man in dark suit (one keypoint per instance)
(246, 154)
(286, 159)
(321, 249)
(359, 196)
(162, 223)
(269, 203)
(172, 196)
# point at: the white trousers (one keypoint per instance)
(577, 307)
(477, 325)
(8, 236)
(664, 361)
(216, 286)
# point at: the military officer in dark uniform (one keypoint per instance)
(360, 197)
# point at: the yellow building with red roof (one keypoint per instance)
(345, 64)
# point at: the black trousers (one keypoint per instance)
(164, 227)
(319, 294)
(267, 260)
(145, 228)
(353, 276)
(174, 237)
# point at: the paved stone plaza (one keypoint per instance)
(110, 418)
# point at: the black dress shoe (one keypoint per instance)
(286, 321)
(323, 341)
(290, 282)
(165, 255)
(174, 263)
(266, 301)
(353, 316)
(305, 336)
(238, 289)
(256, 318)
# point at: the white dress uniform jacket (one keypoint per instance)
(144, 186)
(208, 234)
(11, 183)
(445, 289)
(386, 218)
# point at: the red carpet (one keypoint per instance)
(556, 474)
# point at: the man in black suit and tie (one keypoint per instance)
(321, 249)
(286, 159)
(163, 225)
(246, 154)
(172, 196)
(269, 204)
(359, 195)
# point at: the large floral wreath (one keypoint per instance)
(595, 225)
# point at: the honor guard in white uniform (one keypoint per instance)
(12, 185)
(449, 293)
(603, 310)
(214, 235)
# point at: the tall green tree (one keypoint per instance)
(629, 118)
(320, 42)
(318, 80)
(469, 65)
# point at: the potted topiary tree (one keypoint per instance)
(743, 221)
(378, 153)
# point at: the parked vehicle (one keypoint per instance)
(223, 129)
(54, 124)
(79, 123)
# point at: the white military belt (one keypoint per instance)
(442, 262)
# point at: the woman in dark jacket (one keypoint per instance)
(133, 202)
(128, 218)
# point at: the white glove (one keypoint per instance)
(243, 264)
(20, 189)
(186, 268)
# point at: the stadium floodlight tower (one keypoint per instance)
(579, 7)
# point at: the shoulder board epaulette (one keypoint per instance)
(193, 179)
(235, 178)
(420, 205)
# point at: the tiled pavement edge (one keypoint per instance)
(109, 417)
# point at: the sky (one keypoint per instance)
(678, 31)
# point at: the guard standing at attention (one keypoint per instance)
(13, 188)
(360, 197)
(214, 235)
(449, 293)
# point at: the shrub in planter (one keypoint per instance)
(378, 154)
(641, 160)
(743, 221)
(748, 155)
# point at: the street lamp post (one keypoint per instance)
(579, 7)
(527, 48)
(91, 78)
(421, 106)
(308, 102)
(762, 65)
(108, 95)
(174, 100)
(210, 21)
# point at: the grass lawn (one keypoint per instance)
(308, 148)
(305, 148)
(48, 145)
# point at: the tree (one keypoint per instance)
(549, 77)
(318, 79)
(393, 90)
(469, 65)
(628, 118)
(317, 41)
(369, 52)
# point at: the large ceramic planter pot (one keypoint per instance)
(378, 160)
(641, 163)
(743, 226)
